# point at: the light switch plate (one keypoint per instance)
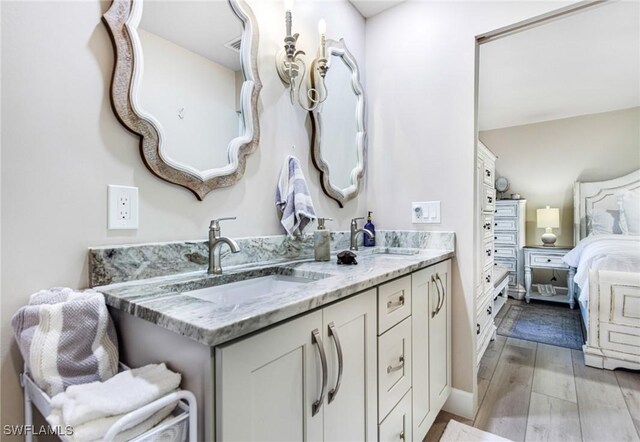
(122, 207)
(425, 212)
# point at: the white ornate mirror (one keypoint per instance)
(339, 135)
(186, 81)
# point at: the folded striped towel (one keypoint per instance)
(293, 200)
(66, 337)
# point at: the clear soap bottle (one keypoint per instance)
(322, 241)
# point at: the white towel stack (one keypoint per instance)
(91, 409)
(293, 199)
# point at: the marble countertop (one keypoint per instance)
(162, 300)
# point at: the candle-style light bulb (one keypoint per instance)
(288, 6)
(322, 29)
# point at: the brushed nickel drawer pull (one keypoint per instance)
(391, 368)
(315, 336)
(398, 303)
(333, 332)
(435, 283)
(444, 292)
(402, 435)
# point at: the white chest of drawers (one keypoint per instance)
(509, 240)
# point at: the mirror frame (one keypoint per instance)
(341, 196)
(121, 20)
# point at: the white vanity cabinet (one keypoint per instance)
(275, 386)
(431, 345)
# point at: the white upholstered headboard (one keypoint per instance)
(598, 195)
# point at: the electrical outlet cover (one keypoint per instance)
(122, 207)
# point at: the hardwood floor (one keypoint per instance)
(537, 392)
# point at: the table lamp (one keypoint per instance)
(548, 219)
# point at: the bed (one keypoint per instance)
(606, 257)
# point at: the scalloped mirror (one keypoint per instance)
(339, 136)
(186, 81)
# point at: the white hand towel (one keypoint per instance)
(293, 199)
(125, 392)
(95, 430)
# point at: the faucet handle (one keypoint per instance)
(215, 223)
(355, 220)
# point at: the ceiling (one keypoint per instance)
(585, 63)
(203, 27)
(369, 8)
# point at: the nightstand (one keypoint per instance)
(542, 257)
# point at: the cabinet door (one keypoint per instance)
(266, 384)
(350, 405)
(440, 340)
(424, 297)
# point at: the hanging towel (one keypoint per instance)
(123, 393)
(293, 200)
(66, 337)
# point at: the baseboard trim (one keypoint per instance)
(460, 403)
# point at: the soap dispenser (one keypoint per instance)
(322, 241)
(367, 240)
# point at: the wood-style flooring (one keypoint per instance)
(537, 392)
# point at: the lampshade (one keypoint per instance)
(548, 217)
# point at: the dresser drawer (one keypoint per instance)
(487, 226)
(394, 366)
(397, 426)
(506, 210)
(394, 303)
(508, 263)
(501, 224)
(488, 199)
(545, 260)
(508, 238)
(488, 174)
(504, 252)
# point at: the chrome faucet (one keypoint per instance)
(215, 241)
(355, 231)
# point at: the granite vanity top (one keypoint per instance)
(161, 300)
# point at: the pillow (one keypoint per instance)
(604, 222)
(629, 203)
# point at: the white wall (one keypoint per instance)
(63, 146)
(543, 160)
(420, 72)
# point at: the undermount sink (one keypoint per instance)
(392, 251)
(239, 287)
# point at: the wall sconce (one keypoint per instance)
(292, 68)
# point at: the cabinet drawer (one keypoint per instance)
(394, 303)
(508, 263)
(397, 426)
(508, 238)
(488, 173)
(394, 366)
(504, 252)
(483, 327)
(501, 224)
(487, 279)
(488, 199)
(487, 226)
(545, 260)
(506, 210)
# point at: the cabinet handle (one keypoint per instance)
(488, 252)
(398, 303)
(392, 368)
(548, 260)
(315, 336)
(477, 329)
(402, 435)
(444, 292)
(333, 332)
(435, 311)
(489, 310)
(488, 278)
(488, 172)
(490, 199)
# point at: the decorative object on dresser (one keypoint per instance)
(502, 185)
(484, 290)
(509, 237)
(548, 219)
(542, 257)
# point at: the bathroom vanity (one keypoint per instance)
(293, 349)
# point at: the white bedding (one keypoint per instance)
(603, 252)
